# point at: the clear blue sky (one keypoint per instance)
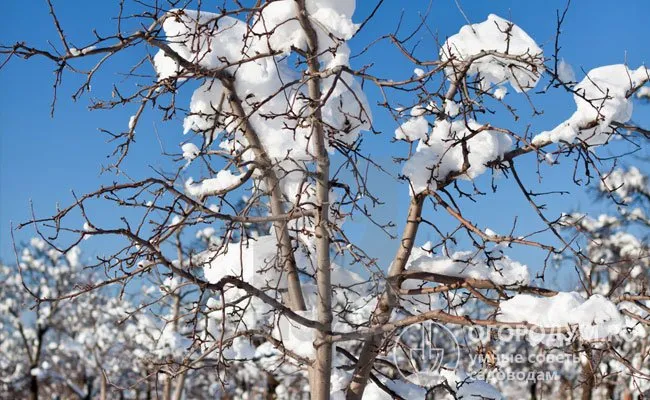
(42, 159)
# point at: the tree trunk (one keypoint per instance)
(148, 393)
(566, 389)
(322, 368)
(178, 390)
(382, 313)
(533, 391)
(33, 387)
(176, 312)
(588, 376)
(36, 359)
(103, 389)
(287, 259)
(167, 388)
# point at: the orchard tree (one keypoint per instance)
(52, 347)
(267, 293)
(95, 345)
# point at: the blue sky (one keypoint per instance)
(42, 159)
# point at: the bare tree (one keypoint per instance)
(278, 114)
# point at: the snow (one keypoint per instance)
(277, 112)
(358, 313)
(88, 228)
(158, 341)
(490, 232)
(170, 284)
(436, 157)
(414, 128)
(205, 233)
(491, 35)
(280, 29)
(255, 262)
(565, 72)
(295, 336)
(467, 264)
(636, 214)
(246, 260)
(346, 114)
(405, 389)
(223, 181)
(477, 389)
(190, 151)
(165, 66)
(279, 24)
(176, 220)
(542, 311)
(549, 159)
(588, 223)
(145, 263)
(601, 98)
(624, 183)
(598, 318)
(265, 76)
(500, 92)
(78, 52)
(241, 349)
(643, 92)
(452, 108)
(193, 46)
(330, 21)
(205, 102)
(595, 317)
(212, 303)
(627, 245)
(466, 387)
(210, 46)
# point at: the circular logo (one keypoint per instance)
(422, 351)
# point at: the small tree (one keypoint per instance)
(52, 347)
(278, 111)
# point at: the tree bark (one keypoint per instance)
(103, 389)
(588, 375)
(33, 387)
(287, 259)
(36, 358)
(167, 388)
(178, 390)
(263, 161)
(388, 300)
(322, 368)
(176, 305)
